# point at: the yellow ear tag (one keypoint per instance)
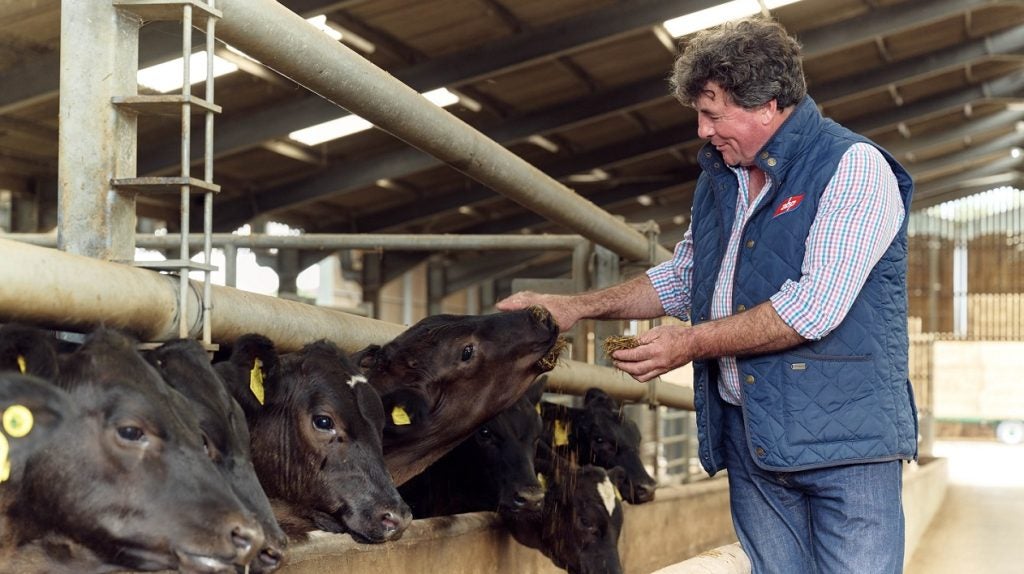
(256, 380)
(543, 481)
(5, 464)
(17, 421)
(22, 366)
(538, 409)
(561, 432)
(399, 416)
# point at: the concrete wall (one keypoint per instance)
(682, 523)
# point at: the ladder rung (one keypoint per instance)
(163, 184)
(165, 105)
(175, 265)
(168, 10)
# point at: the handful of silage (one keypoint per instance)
(616, 343)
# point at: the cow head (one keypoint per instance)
(601, 435)
(490, 470)
(186, 367)
(579, 525)
(505, 447)
(316, 445)
(446, 375)
(129, 478)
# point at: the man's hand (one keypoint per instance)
(560, 306)
(660, 350)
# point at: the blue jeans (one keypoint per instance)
(843, 519)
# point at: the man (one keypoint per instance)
(793, 274)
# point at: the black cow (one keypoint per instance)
(315, 428)
(579, 525)
(185, 367)
(492, 469)
(126, 483)
(446, 375)
(599, 434)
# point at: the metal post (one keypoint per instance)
(99, 53)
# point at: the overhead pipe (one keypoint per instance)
(59, 290)
(335, 241)
(283, 41)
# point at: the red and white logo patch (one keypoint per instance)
(790, 204)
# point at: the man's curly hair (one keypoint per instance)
(753, 60)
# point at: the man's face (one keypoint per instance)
(737, 133)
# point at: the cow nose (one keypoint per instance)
(269, 559)
(528, 499)
(645, 492)
(395, 522)
(245, 538)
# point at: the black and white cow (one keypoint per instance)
(599, 434)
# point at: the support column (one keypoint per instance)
(435, 286)
(99, 52)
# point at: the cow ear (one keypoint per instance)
(28, 350)
(596, 398)
(405, 411)
(367, 358)
(253, 358)
(536, 390)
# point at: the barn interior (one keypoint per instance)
(552, 155)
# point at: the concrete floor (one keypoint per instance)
(980, 526)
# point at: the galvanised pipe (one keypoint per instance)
(335, 241)
(60, 290)
(282, 40)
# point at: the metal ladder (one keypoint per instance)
(199, 14)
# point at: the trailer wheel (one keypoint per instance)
(1010, 432)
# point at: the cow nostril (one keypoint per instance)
(389, 521)
(270, 557)
(243, 537)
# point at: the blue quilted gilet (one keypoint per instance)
(845, 398)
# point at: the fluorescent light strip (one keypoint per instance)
(168, 76)
(702, 19)
(351, 124)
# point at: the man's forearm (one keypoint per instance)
(758, 330)
(632, 299)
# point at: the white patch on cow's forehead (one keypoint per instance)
(607, 491)
(355, 380)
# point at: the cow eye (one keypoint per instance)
(467, 352)
(485, 432)
(323, 422)
(130, 433)
(599, 439)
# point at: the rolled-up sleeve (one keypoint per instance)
(672, 279)
(860, 213)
